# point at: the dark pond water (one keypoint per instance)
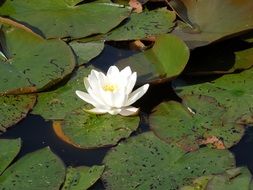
(37, 133)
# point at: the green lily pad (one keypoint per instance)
(39, 170)
(86, 51)
(143, 25)
(234, 179)
(226, 57)
(166, 59)
(8, 151)
(14, 108)
(33, 63)
(232, 91)
(146, 162)
(87, 131)
(198, 184)
(56, 19)
(81, 178)
(56, 104)
(209, 21)
(172, 122)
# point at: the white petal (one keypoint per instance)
(127, 111)
(119, 98)
(137, 94)
(87, 98)
(86, 83)
(96, 95)
(126, 72)
(131, 82)
(112, 71)
(97, 111)
(114, 111)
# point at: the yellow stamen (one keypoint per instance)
(110, 87)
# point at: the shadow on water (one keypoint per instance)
(37, 133)
(243, 150)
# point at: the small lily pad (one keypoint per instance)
(34, 63)
(81, 178)
(55, 104)
(143, 25)
(173, 122)
(56, 19)
(209, 21)
(165, 60)
(87, 130)
(38, 170)
(86, 51)
(9, 148)
(146, 162)
(14, 108)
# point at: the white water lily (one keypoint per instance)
(112, 93)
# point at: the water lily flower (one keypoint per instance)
(112, 93)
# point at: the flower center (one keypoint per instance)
(110, 87)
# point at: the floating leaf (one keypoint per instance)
(146, 162)
(55, 104)
(39, 170)
(232, 91)
(56, 19)
(143, 25)
(226, 57)
(14, 108)
(209, 21)
(233, 179)
(86, 51)
(172, 122)
(166, 59)
(82, 178)
(8, 151)
(33, 63)
(86, 130)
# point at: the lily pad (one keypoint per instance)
(14, 108)
(165, 60)
(63, 20)
(81, 178)
(8, 151)
(143, 25)
(56, 104)
(146, 162)
(39, 170)
(233, 179)
(209, 21)
(226, 57)
(232, 91)
(172, 122)
(87, 131)
(86, 51)
(33, 63)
